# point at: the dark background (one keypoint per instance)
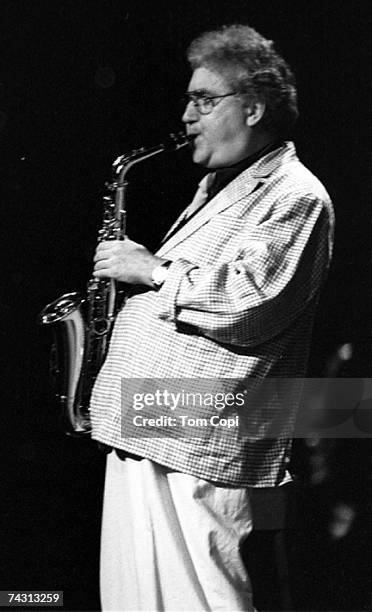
(83, 81)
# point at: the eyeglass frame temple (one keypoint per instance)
(186, 99)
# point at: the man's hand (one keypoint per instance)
(126, 261)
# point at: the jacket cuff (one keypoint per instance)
(168, 293)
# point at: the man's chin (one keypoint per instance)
(199, 158)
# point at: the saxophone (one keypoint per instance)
(82, 325)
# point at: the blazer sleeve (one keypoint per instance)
(275, 273)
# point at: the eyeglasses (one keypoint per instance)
(202, 102)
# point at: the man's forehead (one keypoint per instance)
(204, 80)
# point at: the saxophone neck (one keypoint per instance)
(125, 162)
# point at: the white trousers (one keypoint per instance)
(170, 541)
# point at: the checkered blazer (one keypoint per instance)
(238, 304)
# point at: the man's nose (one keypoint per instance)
(190, 113)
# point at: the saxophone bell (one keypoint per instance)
(66, 358)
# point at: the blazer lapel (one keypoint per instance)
(224, 199)
(243, 185)
(198, 201)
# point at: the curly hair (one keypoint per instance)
(250, 64)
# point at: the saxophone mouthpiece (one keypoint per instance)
(179, 140)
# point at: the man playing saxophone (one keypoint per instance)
(230, 296)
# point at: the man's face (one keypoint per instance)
(221, 138)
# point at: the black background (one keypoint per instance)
(83, 81)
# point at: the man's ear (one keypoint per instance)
(255, 110)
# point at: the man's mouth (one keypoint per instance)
(193, 138)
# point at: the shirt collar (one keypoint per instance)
(223, 176)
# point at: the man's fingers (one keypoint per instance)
(106, 244)
(102, 264)
(109, 244)
(102, 254)
(103, 272)
(100, 273)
